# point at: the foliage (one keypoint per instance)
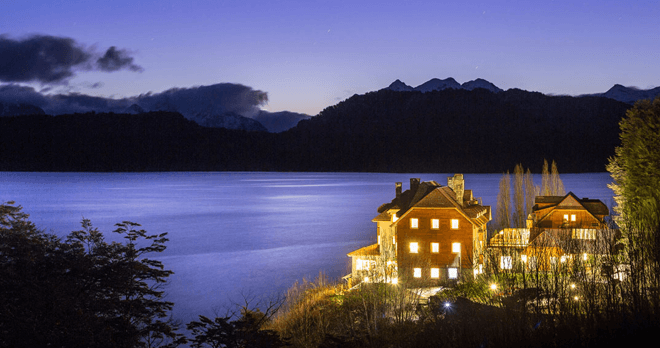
(245, 332)
(635, 167)
(83, 291)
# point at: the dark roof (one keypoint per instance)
(430, 194)
(593, 206)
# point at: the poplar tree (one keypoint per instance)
(518, 197)
(503, 205)
(545, 180)
(531, 192)
(556, 185)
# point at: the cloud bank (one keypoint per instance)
(195, 103)
(52, 60)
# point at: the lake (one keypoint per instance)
(255, 233)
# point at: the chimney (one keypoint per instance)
(457, 184)
(398, 189)
(414, 184)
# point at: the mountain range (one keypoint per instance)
(216, 105)
(450, 130)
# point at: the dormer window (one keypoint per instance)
(394, 218)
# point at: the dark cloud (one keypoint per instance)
(115, 59)
(194, 103)
(49, 59)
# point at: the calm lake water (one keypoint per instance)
(238, 232)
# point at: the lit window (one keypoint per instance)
(417, 272)
(562, 259)
(435, 273)
(362, 264)
(435, 224)
(452, 273)
(394, 218)
(395, 280)
(553, 260)
(455, 247)
(523, 258)
(414, 223)
(572, 217)
(584, 256)
(565, 217)
(454, 224)
(378, 240)
(393, 239)
(366, 279)
(435, 247)
(481, 269)
(414, 247)
(505, 262)
(584, 233)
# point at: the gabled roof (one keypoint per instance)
(544, 204)
(430, 194)
(371, 250)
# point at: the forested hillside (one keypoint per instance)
(384, 131)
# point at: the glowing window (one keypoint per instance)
(393, 239)
(435, 224)
(565, 217)
(523, 258)
(452, 273)
(585, 256)
(435, 247)
(584, 233)
(454, 224)
(455, 247)
(378, 240)
(505, 262)
(362, 264)
(414, 223)
(417, 272)
(394, 218)
(572, 217)
(435, 273)
(414, 247)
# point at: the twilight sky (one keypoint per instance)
(308, 55)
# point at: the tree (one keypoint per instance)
(556, 185)
(503, 205)
(635, 169)
(83, 291)
(635, 166)
(247, 331)
(545, 180)
(518, 197)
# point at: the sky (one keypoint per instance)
(308, 55)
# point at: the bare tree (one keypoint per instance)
(518, 197)
(503, 207)
(556, 185)
(545, 180)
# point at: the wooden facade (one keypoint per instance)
(429, 232)
(560, 228)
